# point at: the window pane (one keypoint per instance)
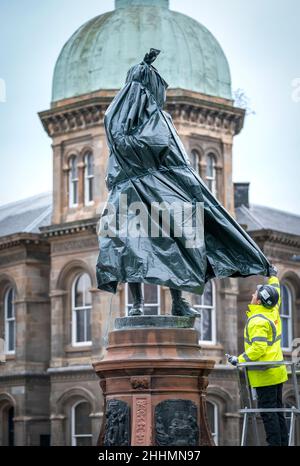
(194, 158)
(207, 295)
(9, 304)
(90, 195)
(129, 296)
(194, 299)
(210, 166)
(285, 301)
(79, 290)
(74, 192)
(88, 325)
(89, 164)
(211, 416)
(206, 325)
(83, 441)
(74, 168)
(11, 335)
(150, 294)
(150, 311)
(87, 295)
(80, 326)
(82, 419)
(285, 332)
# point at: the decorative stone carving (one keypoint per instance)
(117, 428)
(176, 423)
(220, 117)
(140, 383)
(141, 420)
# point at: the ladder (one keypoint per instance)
(250, 410)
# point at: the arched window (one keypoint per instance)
(151, 295)
(195, 160)
(81, 428)
(88, 178)
(73, 182)
(213, 420)
(81, 310)
(286, 317)
(211, 173)
(206, 325)
(10, 321)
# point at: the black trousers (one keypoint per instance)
(274, 423)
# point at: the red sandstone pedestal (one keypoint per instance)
(154, 384)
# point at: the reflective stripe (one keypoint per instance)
(261, 368)
(269, 343)
(260, 339)
(270, 322)
(246, 357)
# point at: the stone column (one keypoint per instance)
(229, 331)
(59, 188)
(57, 430)
(227, 178)
(21, 431)
(57, 326)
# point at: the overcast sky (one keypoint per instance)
(261, 39)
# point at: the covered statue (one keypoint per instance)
(161, 224)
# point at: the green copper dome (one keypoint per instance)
(99, 54)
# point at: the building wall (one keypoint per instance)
(48, 376)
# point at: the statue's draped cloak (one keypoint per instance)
(148, 163)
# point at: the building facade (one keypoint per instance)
(53, 319)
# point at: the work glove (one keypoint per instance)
(232, 359)
(273, 271)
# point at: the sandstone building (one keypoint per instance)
(52, 317)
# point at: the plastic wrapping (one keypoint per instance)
(148, 164)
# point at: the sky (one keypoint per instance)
(261, 39)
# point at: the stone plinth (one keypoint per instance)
(154, 383)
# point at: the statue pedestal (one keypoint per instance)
(154, 384)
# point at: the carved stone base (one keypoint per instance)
(154, 384)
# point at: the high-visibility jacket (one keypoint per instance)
(262, 341)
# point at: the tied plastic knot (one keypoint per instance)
(151, 56)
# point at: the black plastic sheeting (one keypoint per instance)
(148, 163)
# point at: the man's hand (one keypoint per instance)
(232, 359)
(273, 271)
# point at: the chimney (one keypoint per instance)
(241, 194)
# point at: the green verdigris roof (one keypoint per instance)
(99, 54)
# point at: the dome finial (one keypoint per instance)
(127, 3)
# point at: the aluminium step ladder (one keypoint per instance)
(250, 410)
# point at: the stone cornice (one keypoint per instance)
(275, 237)
(184, 106)
(18, 239)
(70, 228)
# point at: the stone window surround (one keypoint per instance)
(81, 176)
(218, 164)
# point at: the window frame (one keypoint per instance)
(288, 317)
(213, 178)
(8, 320)
(158, 305)
(74, 311)
(73, 181)
(88, 179)
(74, 436)
(212, 309)
(216, 433)
(195, 153)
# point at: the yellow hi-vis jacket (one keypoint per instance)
(262, 340)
